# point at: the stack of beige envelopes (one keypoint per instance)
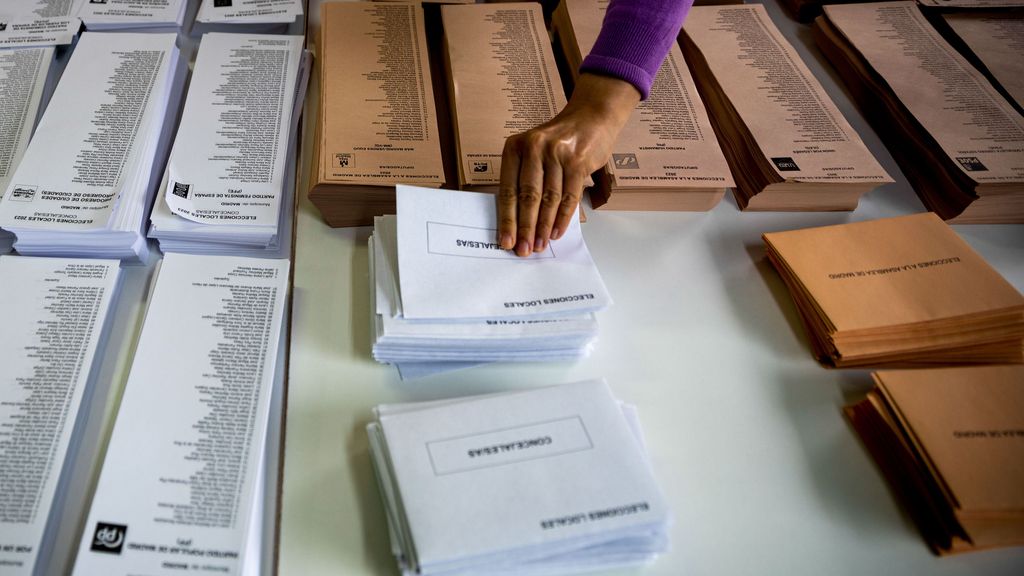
(898, 291)
(950, 442)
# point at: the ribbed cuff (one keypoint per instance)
(620, 69)
(634, 39)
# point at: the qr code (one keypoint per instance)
(481, 167)
(180, 189)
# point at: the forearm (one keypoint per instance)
(635, 37)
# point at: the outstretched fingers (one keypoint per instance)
(507, 193)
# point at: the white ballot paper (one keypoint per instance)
(421, 348)
(84, 183)
(54, 313)
(22, 80)
(544, 481)
(249, 11)
(132, 14)
(179, 488)
(228, 161)
(233, 237)
(451, 266)
(38, 22)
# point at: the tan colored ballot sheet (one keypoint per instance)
(970, 422)
(790, 116)
(957, 106)
(378, 123)
(668, 141)
(997, 39)
(504, 81)
(972, 3)
(884, 272)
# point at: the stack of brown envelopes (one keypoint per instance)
(788, 145)
(667, 156)
(950, 442)
(956, 138)
(898, 291)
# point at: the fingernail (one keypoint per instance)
(506, 242)
(523, 249)
(556, 233)
(538, 246)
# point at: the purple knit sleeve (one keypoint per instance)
(634, 39)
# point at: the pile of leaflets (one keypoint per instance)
(957, 139)
(86, 181)
(229, 187)
(23, 81)
(552, 480)
(255, 16)
(446, 295)
(645, 171)
(376, 124)
(502, 80)
(787, 143)
(144, 16)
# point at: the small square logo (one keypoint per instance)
(481, 167)
(625, 161)
(344, 160)
(971, 164)
(222, 3)
(108, 538)
(785, 164)
(3, 26)
(23, 193)
(180, 189)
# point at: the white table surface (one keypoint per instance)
(746, 436)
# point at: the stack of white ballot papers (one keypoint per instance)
(23, 73)
(230, 182)
(148, 15)
(180, 488)
(86, 182)
(446, 295)
(38, 22)
(547, 481)
(246, 15)
(56, 316)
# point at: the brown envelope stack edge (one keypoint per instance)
(667, 156)
(502, 81)
(377, 125)
(788, 145)
(950, 443)
(956, 138)
(898, 292)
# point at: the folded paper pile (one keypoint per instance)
(506, 483)
(445, 295)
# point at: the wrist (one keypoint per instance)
(606, 96)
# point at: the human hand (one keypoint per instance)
(543, 170)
